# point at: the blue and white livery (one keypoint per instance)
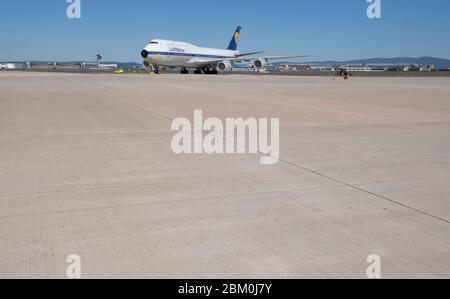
(169, 53)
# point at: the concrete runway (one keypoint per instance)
(86, 168)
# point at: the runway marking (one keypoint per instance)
(162, 116)
(166, 118)
(365, 191)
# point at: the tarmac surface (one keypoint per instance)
(86, 168)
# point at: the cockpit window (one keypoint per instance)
(155, 43)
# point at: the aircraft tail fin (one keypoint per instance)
(235, 40)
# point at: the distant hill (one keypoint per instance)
(438, 62)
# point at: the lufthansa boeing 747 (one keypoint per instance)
(187, 56)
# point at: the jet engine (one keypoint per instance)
(225, 66)
(260, 63)
(144, 53)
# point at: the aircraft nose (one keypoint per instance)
(144, 53)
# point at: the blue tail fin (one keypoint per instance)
(235, 40)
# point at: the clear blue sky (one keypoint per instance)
(326, 29)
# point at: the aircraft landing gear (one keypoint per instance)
(156, 69)
(208, 71)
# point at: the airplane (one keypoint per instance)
(165, 53)
(82, 65)
(7, 66)
(53, 64)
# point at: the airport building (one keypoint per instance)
(353, 67)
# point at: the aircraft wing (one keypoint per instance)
(68, 63)
(206, 61)
(248, 54)
(55, 63)
(248, 59)
(40, 63)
